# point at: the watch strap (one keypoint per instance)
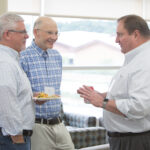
(105, 101)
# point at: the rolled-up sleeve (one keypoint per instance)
(137, 103)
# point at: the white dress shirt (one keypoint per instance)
(16, 105)
(130, 89)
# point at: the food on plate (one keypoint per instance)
(44, 95)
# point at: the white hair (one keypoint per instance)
(8, 21)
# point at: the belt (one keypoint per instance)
(53, 121)
(118, 134)
(25, 132)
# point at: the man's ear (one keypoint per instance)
(35, 32)
(136, 34)
(7, 35)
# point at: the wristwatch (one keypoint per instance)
(105, 101)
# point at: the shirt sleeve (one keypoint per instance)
(11, 115)
(137, 105)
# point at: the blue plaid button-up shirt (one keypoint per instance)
(43, 72)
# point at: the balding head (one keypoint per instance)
(45, 32)
(42, 21)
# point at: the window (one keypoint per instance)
(88, 42)
(90, 57)
(95, 58)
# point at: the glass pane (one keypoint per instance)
(84, 42)
(74, 79)
(88, 42)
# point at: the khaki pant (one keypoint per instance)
(51, 137)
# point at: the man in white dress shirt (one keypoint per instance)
(16, 106)
(127, 103)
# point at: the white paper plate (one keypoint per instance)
(45, 99)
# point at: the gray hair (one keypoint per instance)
(8, 21)
(37, 24)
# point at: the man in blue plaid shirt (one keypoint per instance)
(43, 66)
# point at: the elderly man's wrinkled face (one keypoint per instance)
(124, 39)
(46, 35)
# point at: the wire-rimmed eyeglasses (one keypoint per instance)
(19, 31)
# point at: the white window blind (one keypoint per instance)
(109, 9)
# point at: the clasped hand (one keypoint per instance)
(91, 95)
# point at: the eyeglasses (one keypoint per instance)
(19, 31)
(50, 32)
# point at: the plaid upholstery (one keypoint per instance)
(101, 123)
(83, 130)
(80, 121)
(85, 137)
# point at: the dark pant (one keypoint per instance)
(6, 144)
(136, 142)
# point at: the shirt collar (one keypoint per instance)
(130, 55)
(40, 51)
(10, 51)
